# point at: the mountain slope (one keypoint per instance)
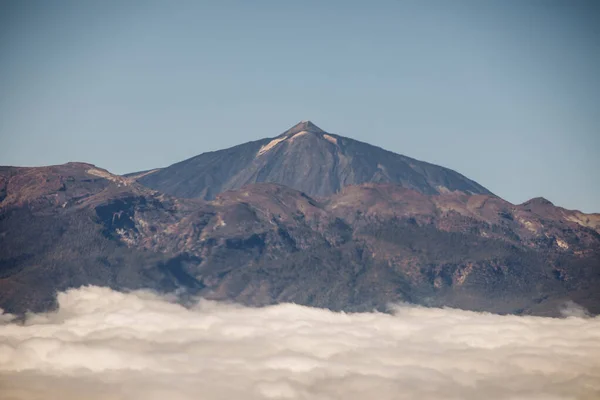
(304, 158)
(362, 248)
(58, 230)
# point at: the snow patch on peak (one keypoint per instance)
(330, 138)
(270, 145)
(297, 135)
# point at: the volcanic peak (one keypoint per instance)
(303, 126)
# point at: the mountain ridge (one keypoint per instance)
(360, 249)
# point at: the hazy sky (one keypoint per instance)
(505, 92)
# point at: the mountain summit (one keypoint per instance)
(305, 158)
(301, 126)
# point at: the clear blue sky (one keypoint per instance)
(506, 92)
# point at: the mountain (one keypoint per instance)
(307, 159)
(362, 248)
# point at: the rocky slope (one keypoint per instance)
(359, 249)
(304, 158)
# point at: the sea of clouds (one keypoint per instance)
(103, 344)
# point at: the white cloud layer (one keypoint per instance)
(102, 344)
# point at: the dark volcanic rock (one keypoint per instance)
(304, 158)
(360, 249)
